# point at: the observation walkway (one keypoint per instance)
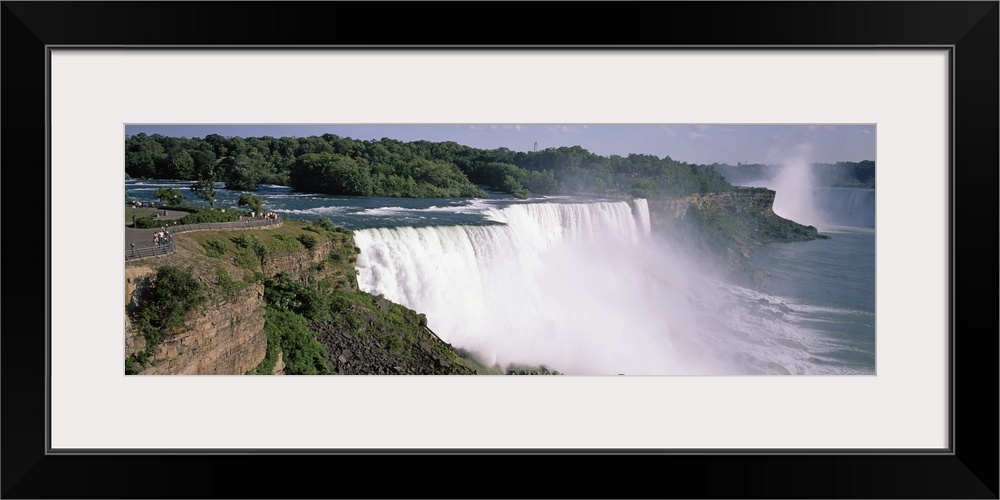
(139, 242)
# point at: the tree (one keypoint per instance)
(204, 187)
(331, 173)
(142, 155)
(251, 201)
(241, 172)
(205, 190)
(169, 196)
(181, 165)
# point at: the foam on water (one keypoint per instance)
(584, 289)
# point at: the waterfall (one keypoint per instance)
(558, 284)
(854, 207)
(641, 210)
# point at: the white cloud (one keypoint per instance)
(701, 127)
(564, 129)
(670, 133)
(803, 149)
(696, 136)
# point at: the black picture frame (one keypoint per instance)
(969, 470)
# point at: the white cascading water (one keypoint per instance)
(575, 287)
(641, 210)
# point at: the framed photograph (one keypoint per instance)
(910, 87)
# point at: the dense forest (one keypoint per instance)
(840, 174)
(420, 169)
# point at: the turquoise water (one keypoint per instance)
(829, 288)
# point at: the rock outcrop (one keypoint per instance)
(726, 227)
(300, 264)
(136, 277)
(374, 336)
(223, 337)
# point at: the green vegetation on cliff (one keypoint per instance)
(165, 300)
(368, 334)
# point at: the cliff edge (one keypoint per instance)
(726, 227)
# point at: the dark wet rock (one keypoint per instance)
(354, 353)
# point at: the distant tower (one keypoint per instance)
(536, 146)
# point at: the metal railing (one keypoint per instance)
(151, 251)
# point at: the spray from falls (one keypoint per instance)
(582, 288)
(555, 284)
(801, 196)
(794, 199)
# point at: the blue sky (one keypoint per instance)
(710, 143)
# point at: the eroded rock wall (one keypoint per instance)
(223, 337)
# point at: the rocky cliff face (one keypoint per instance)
(301, 265)
(223, 337)
(753, 201)
(726, 227)
(136, 277)
(226, 334)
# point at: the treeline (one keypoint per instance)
(840, 174)
(420, 169)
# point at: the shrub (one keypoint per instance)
(227, 284)
(208, 215)
(168, 298)
(303, 354)
(307, 240)
(250, 201)
(266, 365)
(246, 259)
(151, 223)
(162, 305)
(395, 343)
(214, 248)
(251, 243)
(325, 224)
(284, 294)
